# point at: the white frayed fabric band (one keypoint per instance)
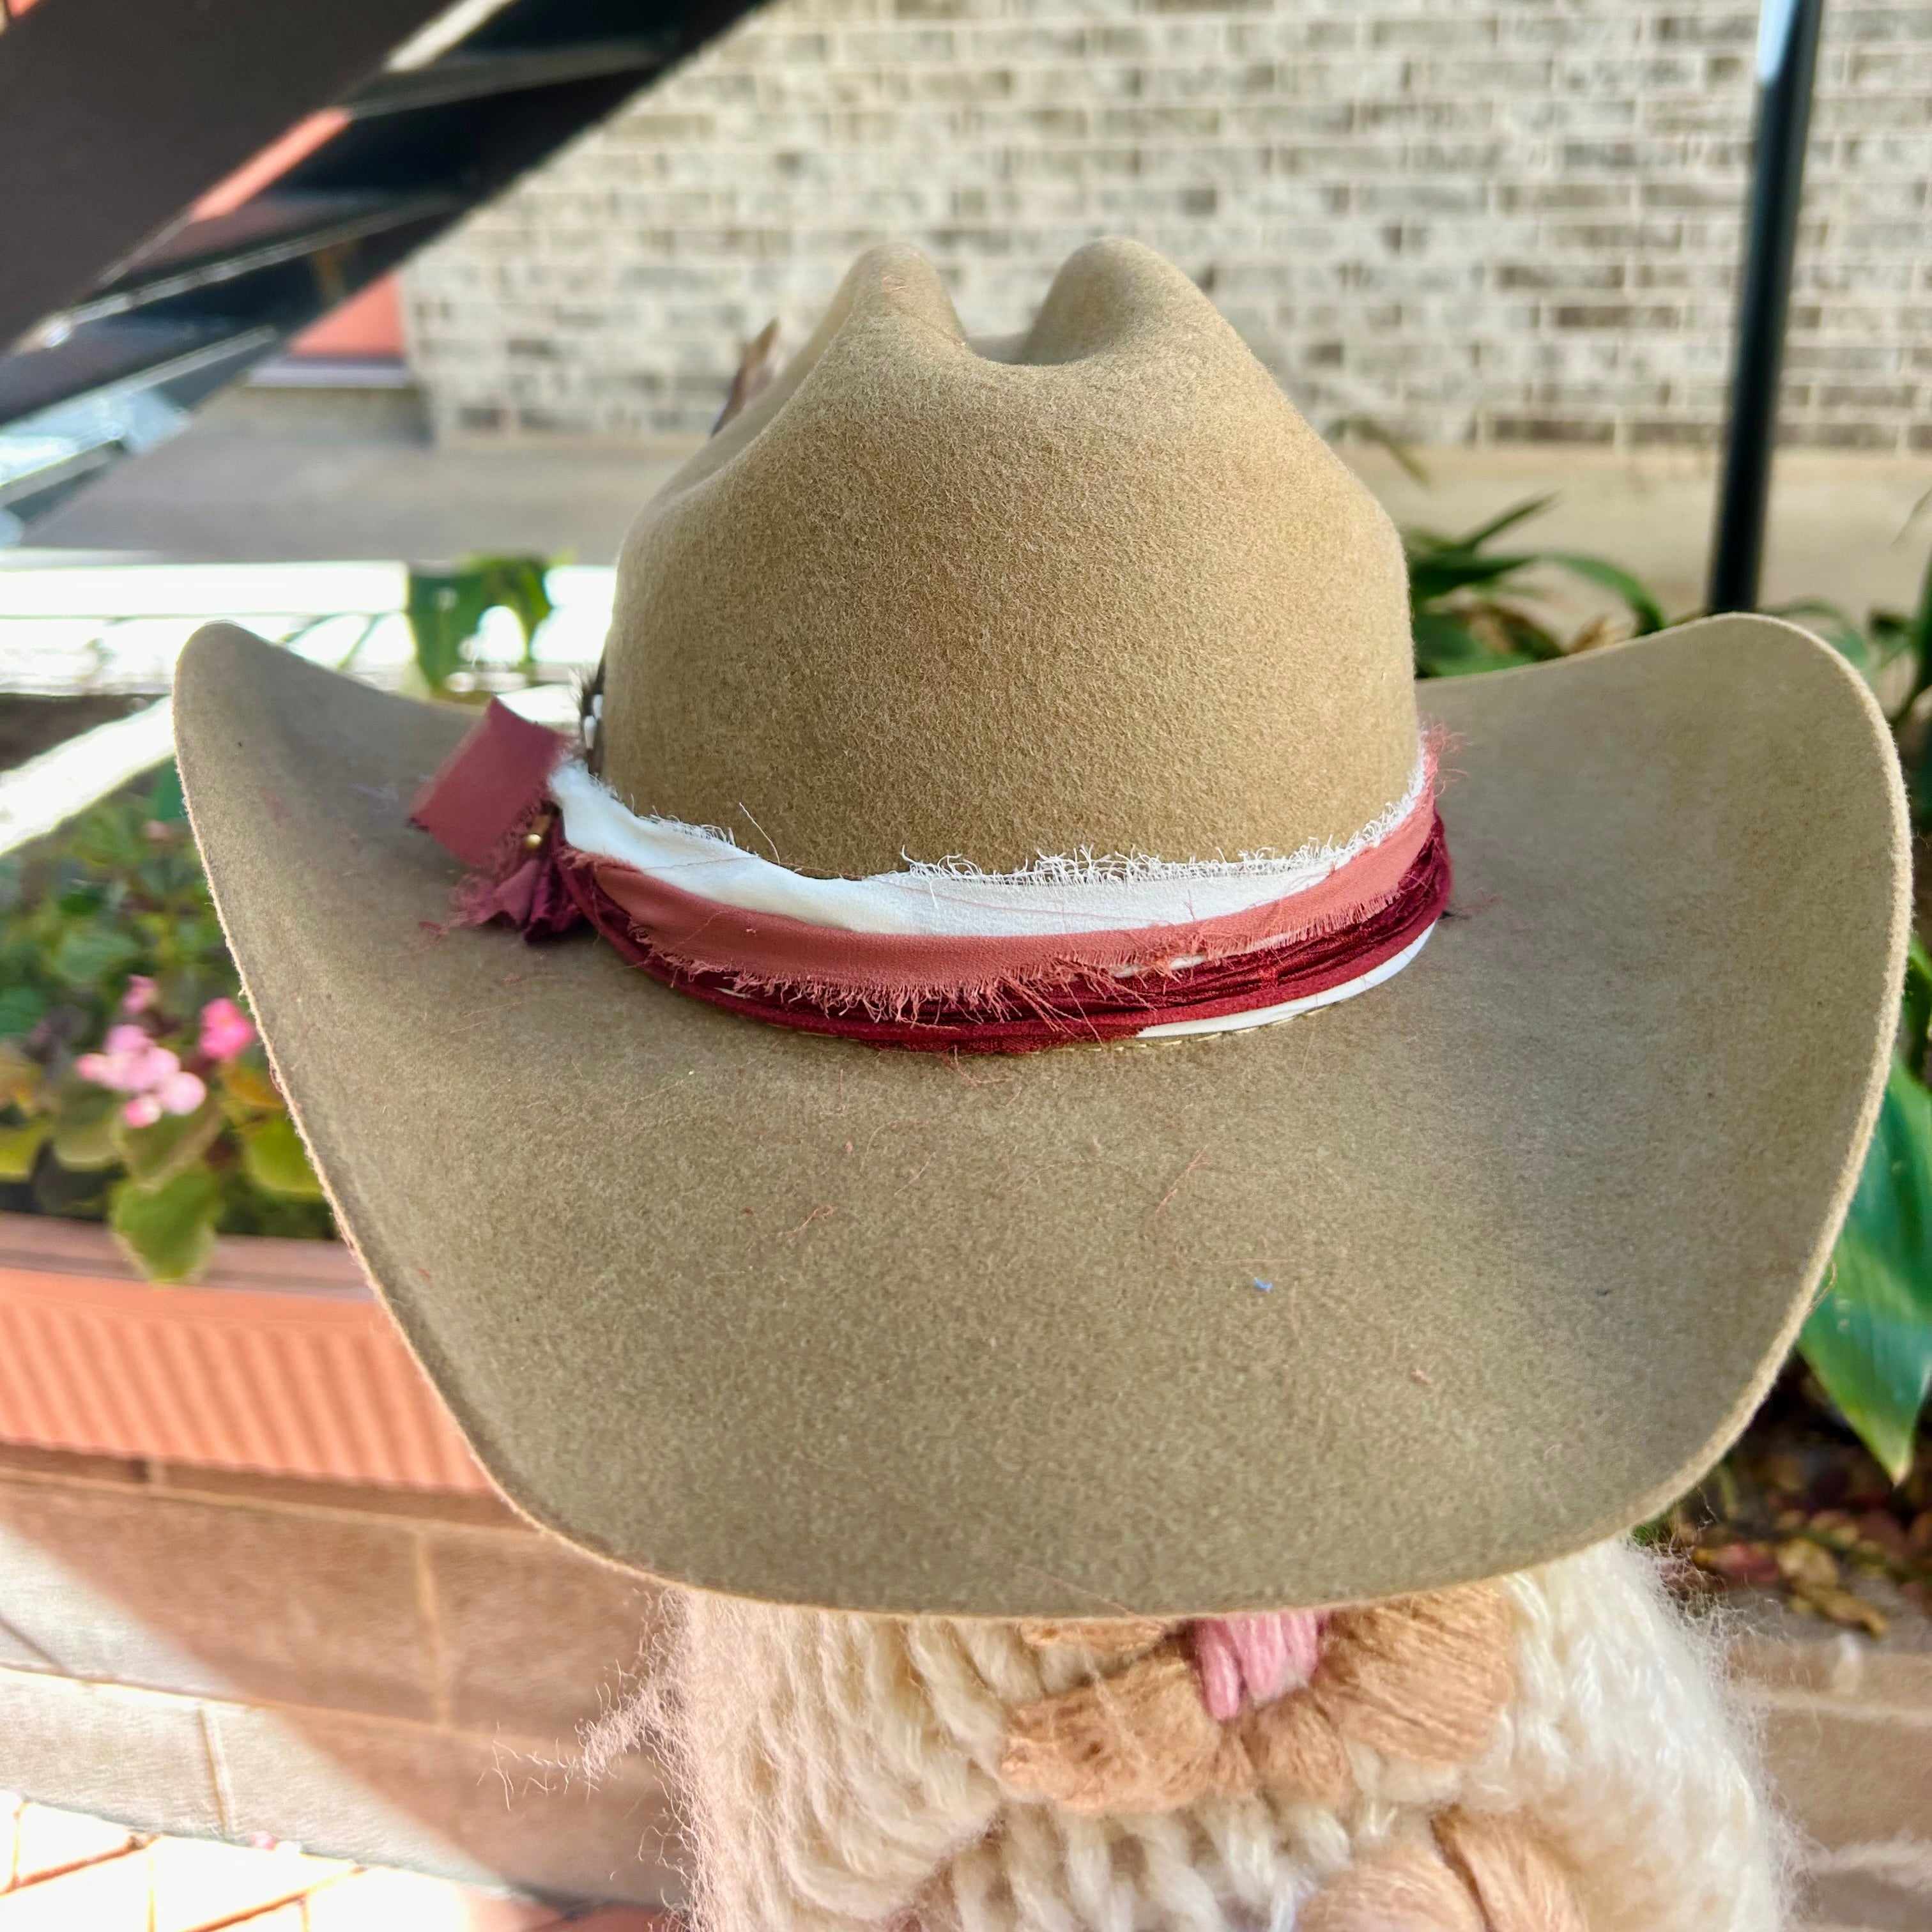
(1079, 894)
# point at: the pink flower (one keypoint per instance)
(182, 1092)
(131, 1064)
(139, 995)
(225, 1029)
(152, 1077)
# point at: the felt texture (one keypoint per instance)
(919, 602)
(798, 1319)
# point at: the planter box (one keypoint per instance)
(281, 1361)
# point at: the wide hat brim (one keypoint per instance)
(1457, 1276)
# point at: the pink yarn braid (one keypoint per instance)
(1255, 1659)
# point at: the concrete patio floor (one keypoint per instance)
(267, 474)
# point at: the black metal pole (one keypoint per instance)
(1787, 56)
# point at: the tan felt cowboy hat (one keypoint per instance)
(1059, 689)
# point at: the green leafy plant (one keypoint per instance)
(445, 609)
(1869, 1341)
(132, 1088)
(1871, 1338)
(1892, 651)
(1464, 621)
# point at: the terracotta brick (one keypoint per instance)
(1794, 1653)
(1849, 1776)
(534, 1634)
(246, 1488)
(183, 1595)
(1870, 1901)
(17, 1459)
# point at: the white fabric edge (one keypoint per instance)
(1260, 1016)
(1080, 893)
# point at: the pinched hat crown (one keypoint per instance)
(1095, 588)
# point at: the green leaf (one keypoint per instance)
(1870, 1339)
(444, 608)
(1446, 645)
(1441, 572)
(156, 1154)
(247, 1089)
(165, 802)
(1837, 627)
(168, 1231)
(1643, 606)
(84, 1121)
(1383, 438)
(68, 1196)
(20, 1148)
(1508, 520)
(362, 636)
(520, 585)
(20, 1077)
(1915, 1009)
(90, 953)
(21, 1009)
(273, 1158)
(1918, 635)
(1517, 634)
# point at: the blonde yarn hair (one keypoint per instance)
(844, 1773)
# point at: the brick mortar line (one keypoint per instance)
(515, 1744)
(273, 1505)
(1820, 1703)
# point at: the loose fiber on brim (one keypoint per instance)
(843, 1773)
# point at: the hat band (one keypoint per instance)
(938, 957)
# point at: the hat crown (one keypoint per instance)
(1097, 588)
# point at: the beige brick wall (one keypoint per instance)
(398, 1677)
(1476, 221)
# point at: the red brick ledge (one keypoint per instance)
(281, 1362)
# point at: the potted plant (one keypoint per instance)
(170, 1282)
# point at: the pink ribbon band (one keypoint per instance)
(989, 993)
(1016, 1016)
(888, 968)
(481, 796)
